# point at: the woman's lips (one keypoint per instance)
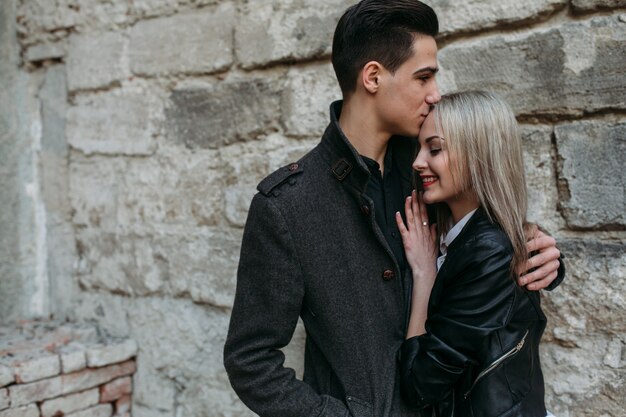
(427, 181)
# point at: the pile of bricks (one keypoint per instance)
(53, 370)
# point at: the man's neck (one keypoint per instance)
(363, 134)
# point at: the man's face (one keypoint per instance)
(404, 98)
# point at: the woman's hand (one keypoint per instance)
(419, 239)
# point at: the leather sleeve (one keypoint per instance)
(476, 301)
(267, 304)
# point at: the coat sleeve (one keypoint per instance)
(474, 304)
(267, 305)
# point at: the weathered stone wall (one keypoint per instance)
(157, 118)
(37, 238)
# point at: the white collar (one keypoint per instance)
(447, 238)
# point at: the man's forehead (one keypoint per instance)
(424, 52)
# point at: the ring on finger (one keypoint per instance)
(424, 223)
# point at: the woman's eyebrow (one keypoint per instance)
(430, 138)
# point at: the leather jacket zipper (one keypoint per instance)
(496, 363)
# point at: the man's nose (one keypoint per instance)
(433, 97)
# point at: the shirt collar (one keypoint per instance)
(375, 166)
(448, 238)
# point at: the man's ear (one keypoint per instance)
(371, 75)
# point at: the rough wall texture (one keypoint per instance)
(133, 135)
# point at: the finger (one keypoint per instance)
(542, 283)
(541, 242)
(410, 220)
(433, 236)
(540, 273)
(400, 223)
(542, 258)
(422, 207)
(415, 207)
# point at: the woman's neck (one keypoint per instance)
(461, 205)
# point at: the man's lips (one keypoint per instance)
(428, 180)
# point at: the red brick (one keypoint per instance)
(28, 411)
(122, 406)
(111, 353)
(35, 391)
(64, 405)
(32, 369)
(115, 389)
(101, 410)
(6, 375)
(88, 378)
(73, 357)
(69, 383)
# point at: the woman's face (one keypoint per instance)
(433, 164)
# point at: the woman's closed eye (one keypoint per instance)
(435, 151)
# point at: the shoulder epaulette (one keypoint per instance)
(270, 185)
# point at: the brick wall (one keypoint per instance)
(50, 369)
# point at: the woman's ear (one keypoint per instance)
(370, 76)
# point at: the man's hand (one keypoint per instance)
(542, 268)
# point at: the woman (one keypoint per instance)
(473, 335)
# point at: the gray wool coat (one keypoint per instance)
(312, 249)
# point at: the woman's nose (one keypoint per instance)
(419, 164)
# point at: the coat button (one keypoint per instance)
(365, 210)
(388, 275)
(293, 167)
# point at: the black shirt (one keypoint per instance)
(385, 190)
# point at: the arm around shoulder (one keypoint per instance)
(545, 268)
(560, 275)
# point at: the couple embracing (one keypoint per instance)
(401, 241)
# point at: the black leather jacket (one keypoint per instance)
(479, 355)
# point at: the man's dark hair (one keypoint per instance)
(378, 30)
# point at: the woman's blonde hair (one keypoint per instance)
(484, 147)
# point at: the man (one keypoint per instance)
(321, 241)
